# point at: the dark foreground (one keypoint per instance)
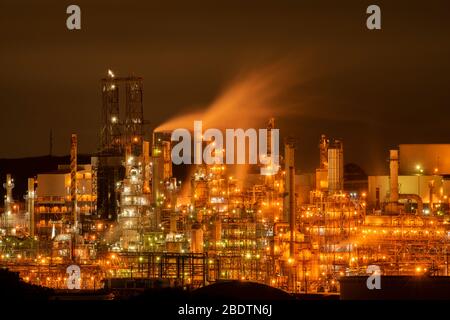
(227, 300)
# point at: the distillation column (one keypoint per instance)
(30, 206)
(393, 166)
(73, 180)
(289, 163)
(8, 185)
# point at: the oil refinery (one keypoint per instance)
(125, 217)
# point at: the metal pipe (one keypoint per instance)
(323, 147)
(413, 197)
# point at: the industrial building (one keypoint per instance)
(52, 200)
(424, 173)
(125, 215)
(122, 127)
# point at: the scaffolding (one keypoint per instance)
(122, 125)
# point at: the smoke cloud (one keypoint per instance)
(246, 102)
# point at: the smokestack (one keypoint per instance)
(146, 166)
(157, 174)
(270, 126)
(323, 149)
(292, 209)
(289, 162)
(393, 165)
(335, 167)
(8, 185)
(377, 198)
(322, 170)
(431, 187)
(289, 159)
(73, 177)
(394, 195)
(30, 204)
(167, 160)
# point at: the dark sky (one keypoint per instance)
(374, 89)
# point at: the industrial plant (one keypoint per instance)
(126, 219)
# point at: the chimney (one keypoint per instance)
(335, 167)
(73, 177)
(30, 205)
(292, 210)
(393, 164)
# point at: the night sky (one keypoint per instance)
(373, 89)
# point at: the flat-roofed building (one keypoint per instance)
(52, 204)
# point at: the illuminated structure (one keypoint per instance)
(53, 203)
(134, 214)
(122, 127)
(7, 222)
(221, 222)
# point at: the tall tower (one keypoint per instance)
(73, 178)
(30, 206)
(134, 202)
(323, 147)
(335, 166)
(122, 114)
(8, 185)
(322, 170)
(122, 126)
(289, 168)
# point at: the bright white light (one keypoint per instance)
(110, 73)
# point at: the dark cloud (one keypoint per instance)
(373, 89)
